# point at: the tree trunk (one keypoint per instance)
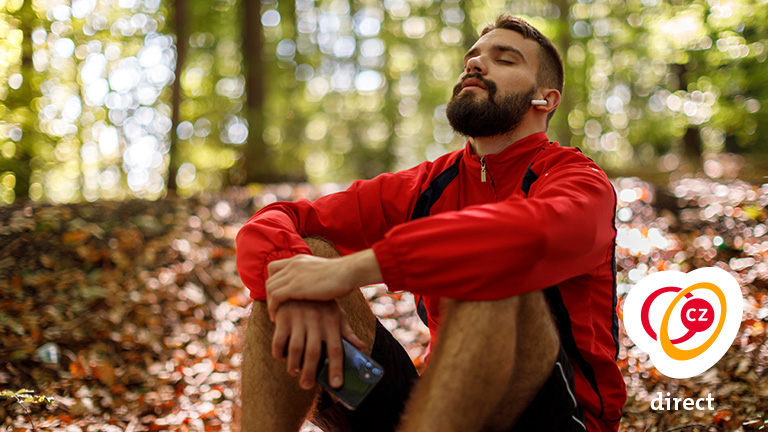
(180, 27)
(467, 26)
(258, 167)
(692, 138)
(563, 41)
(18, 103)
(692, 146)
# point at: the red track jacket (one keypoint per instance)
(542, 218)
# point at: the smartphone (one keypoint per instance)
(361, 374)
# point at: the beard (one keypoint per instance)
(474, 116)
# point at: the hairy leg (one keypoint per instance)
(271, 399)
(490, 361)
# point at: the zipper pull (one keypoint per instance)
(482, 169)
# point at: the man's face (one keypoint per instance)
(495, 90)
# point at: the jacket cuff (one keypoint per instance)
(390, 268)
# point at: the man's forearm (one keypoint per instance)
(363, 268)
(363, 264)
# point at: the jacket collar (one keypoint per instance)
(520, 153)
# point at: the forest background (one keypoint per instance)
(136, 136)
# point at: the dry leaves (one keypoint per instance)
(698, 223)
(127, 313)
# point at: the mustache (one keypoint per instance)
(489, 85)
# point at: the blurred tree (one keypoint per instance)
(735, 64)
(562, 38)
(211, 129)
(21, 131)
(669, 85)
(180, 32)
(94, 102)
(257, 158)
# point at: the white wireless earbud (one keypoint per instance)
(539, 102)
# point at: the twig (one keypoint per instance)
(18, 398)
(29, 413)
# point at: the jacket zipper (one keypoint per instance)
(482, 169)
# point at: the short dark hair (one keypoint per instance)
(551, 72)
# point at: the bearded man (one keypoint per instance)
(507, 245)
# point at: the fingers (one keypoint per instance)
(275, 266)
(335, 352)
(276, 281)
(272, 305)
(301, 328)
(312, 351)
(275, 295)
(296, 349)
(351, 336)
(278, 284)
(275, 298)
(305, 277)
(280, 337)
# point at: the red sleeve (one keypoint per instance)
(353, 220)
(492, 251)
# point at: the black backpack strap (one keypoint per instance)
(424, 205)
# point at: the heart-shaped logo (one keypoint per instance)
(685, 322)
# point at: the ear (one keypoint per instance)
(552, 97)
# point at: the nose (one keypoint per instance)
(475, 64)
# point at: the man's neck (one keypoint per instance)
(496, 144)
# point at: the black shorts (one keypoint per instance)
(553, 409)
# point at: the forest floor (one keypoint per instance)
(127, 314)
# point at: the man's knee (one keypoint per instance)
(257, 337)
(527, 315)
(531, 306)
(487, 310)
(537, 324)
(321, 247)
(516, 333)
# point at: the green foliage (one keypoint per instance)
(26, 396)
(659, 70)
(350, 88)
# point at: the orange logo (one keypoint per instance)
(684, 330)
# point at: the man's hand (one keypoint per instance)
(300, 329)
(306, 277)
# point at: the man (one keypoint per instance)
(507, 245)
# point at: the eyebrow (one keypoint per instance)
(496, 48)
